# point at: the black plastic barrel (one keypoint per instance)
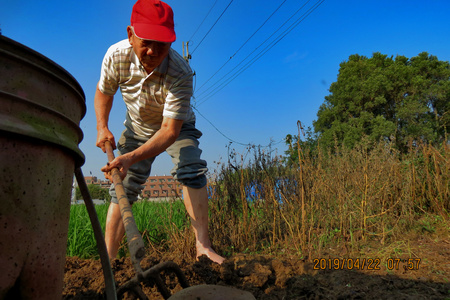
(41, 106)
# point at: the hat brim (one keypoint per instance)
(154, 32)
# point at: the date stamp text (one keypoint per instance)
(366, 264)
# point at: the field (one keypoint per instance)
(358, 225)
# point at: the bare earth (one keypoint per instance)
(284, 277)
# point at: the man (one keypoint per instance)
(156, 85)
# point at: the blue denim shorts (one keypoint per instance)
(189, 169)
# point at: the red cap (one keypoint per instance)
(153, 20)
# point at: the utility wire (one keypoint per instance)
(230, 139)
(213, 26)
(231, 57)
(218, 129)
(203, 20)
(261, 53)
(254, 50)
(257, 57)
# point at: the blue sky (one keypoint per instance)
(262, 104)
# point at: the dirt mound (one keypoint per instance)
(266, 277)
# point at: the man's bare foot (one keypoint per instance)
(210, 253)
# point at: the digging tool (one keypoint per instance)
(136, 245)
(135, 242)
(137, 252)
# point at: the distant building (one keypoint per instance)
(155, 186)
(106, 184)
(161, 186)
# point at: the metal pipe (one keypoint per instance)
(110, 286)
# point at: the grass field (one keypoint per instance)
(351, 198)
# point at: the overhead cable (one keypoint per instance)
(231, 57)
(254, 50)
(203, 20)
(259, 55)
(213, 26)
(230, 139)
(218, 129)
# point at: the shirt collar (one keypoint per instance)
(134, 59)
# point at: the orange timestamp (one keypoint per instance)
(365, 264)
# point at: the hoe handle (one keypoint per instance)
(135, 242)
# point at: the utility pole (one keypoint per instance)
(186, 54)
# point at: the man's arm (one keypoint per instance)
(158, 143)
(103, 104)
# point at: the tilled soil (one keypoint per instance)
(271, 277)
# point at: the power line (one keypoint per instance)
(228, 138)
(203, 20)
(217, 129)
(257, 57)
(254, 50)
(231, 57)
(213, 25)
(260, 54)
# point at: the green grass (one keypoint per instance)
(158, 223)
(81, 241)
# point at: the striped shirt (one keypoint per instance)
(165, 92)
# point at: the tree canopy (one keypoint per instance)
(398, 100)
(95, 191)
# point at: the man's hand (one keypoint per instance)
(104, 135)
(122, 163)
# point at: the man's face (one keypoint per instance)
(150, 53)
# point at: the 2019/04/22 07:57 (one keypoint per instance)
(365, 263)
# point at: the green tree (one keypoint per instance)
(95, 191)
(399, 100)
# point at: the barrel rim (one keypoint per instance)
(49, 63)
(24, 54)
(49, 134)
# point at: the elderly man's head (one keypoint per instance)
(151, 32)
